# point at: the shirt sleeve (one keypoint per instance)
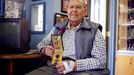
(46, 40)
(98, 55)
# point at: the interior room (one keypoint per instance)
(24, 23)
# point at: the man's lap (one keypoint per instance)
(51, 71)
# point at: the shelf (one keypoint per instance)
(125, 52)
(131, 24)
(131, 10)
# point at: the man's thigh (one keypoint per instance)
(79, 73)
(51, 71)
(43, 71)
(86, 73)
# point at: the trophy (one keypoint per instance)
(57, 43)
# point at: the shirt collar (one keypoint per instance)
(68, 26)
(86, 24)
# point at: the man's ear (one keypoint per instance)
(84, 13)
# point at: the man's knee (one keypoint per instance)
(79, 73)
(83, 73)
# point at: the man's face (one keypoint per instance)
(75, 10)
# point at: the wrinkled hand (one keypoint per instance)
(48, 51)
(60, 67)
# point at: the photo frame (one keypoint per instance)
(64, 6)
(13, 9)
(60, 18)
(35, 0)
(37, 17)
(1, 7)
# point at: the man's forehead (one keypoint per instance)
(81, 2)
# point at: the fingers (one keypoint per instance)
(60, 67)
(49, 51)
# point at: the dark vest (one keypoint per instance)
(84, 37)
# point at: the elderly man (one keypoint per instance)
(83, 45)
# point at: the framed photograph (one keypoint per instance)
(64, 6)
(1, 7)
(13, 8)
(37, 17)
(35, 0)
(87, 3)
(60, 18)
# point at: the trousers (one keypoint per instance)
(45, 70)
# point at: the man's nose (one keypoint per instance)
(74, 9)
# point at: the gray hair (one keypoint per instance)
(82, 2)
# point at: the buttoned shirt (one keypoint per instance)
(98, 53)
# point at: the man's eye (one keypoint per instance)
(71, 7)
(78, 7)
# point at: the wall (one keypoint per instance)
(52, 6)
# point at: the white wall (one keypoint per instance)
(98, 13)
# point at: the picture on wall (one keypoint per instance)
(37, 17)
(36, 0)
(64, 6)
(60, 18)
(1, 7)
(13, 9)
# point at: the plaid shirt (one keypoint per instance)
(98, 54)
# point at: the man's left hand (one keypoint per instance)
(60, 67)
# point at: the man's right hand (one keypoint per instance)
(48, 51)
